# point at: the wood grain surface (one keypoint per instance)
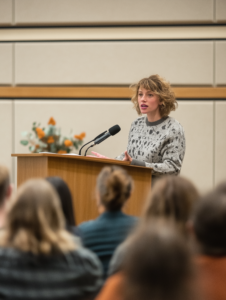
(102, 92)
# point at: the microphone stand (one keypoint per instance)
(80, 151)
(88, 148)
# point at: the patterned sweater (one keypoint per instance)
(158, 145)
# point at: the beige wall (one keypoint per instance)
(107, 11)
(6, 12)
(6, 63)
(220, 10)
(6, 134)
(113, 62)
(220, 56)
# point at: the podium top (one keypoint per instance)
(77, 157)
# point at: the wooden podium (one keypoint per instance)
(80, 173)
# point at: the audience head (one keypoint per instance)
(209, 223)
(172, 198)
(160, 87)
(158, 264)
(5, 189)
(113, 187)
(35, 221)
(65, 198)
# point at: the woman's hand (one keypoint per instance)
(97, 155)
(127, 157)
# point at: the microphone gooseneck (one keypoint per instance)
(111, 131)
(100, 135)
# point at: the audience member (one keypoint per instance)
(5, 193)
(39, 259)
(111, 228)
(157, 266)
(209, 226)
(65, 197)
(171, 198)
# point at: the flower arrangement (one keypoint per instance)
(49, 139)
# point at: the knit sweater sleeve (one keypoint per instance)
(172, 153)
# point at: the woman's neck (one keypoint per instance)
(153, 116)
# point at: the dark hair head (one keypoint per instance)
(65, 198)
(172, 198)
(4, 183)
(221, 188)
(114, 187)
(158, 264)
(209, 221)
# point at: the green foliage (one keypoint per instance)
(24, 142)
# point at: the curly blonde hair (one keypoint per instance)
(160, 87)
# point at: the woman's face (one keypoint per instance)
(148, 101)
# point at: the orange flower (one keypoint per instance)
(36, 146)
(62, 151)
(40, 132)
(52, 121)
(80, 136)
(68, 143)
(50, 140)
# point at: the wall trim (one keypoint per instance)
(102, 92)
(113, 33)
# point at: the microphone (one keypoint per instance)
(111, 131)
(100, 135)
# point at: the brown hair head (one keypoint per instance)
(35, 222)
(114, 187)
(4, 183)
(172, 198)
(157, 264)
(209, 222)
(160, 87)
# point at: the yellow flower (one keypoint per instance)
(52, 121)
(40, 132)
(50, 140)
(68, 143)
(62, 151)
(80, 136)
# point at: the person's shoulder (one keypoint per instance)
(139, 121)
(129, 219)
(174, 125)
(87, 225)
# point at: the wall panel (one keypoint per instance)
(221, 10)
(6, 63)
(197, 119)
(107, 11)
(220, 141)
(113, 62)
(6, 12)
(6, 134)
(220, 57)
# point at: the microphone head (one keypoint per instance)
(114, 129)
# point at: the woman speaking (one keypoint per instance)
(155, 139)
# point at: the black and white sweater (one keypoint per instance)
(158, 145)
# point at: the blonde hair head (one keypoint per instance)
(160, 87)
(114, 187)
(35, 222)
